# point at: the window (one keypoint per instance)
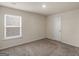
(12, 26)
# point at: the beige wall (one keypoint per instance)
(69, 27)
(33, 27)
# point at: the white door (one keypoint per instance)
(57, 27)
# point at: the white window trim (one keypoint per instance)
(17, 36)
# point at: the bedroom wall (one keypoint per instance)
(33, 27)
(69, 27)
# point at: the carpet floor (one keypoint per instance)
(44, 47)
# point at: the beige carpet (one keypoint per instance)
(44, 47)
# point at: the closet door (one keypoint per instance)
(57, 27)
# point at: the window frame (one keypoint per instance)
(5, 26)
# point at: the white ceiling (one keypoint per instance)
(52, 7)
